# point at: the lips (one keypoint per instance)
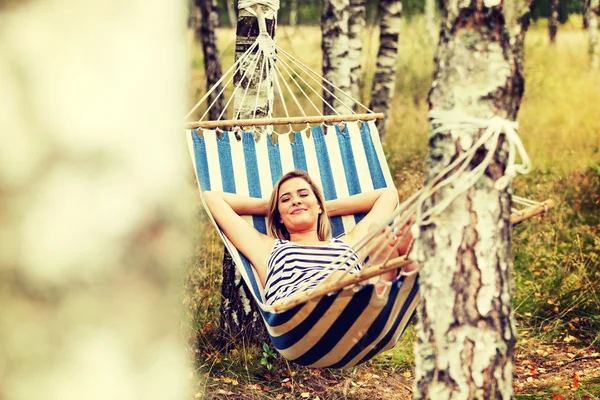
(298, 211)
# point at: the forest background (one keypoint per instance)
(556, 258)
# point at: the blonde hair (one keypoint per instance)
(274, 225)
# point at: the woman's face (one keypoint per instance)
(298, 206)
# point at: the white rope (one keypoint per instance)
(275, 77)
(273, 6)
(255, 62)
(259, 86)
(300, 63)
(294, 98)
(216, 85)
(288, 68)
(455, 175)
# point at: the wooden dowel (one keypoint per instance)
(350, 279)
(529, 212)
(230, 123)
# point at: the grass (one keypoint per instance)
(556, 258)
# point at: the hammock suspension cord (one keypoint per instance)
(276, 62)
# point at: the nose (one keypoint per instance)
(296, 201)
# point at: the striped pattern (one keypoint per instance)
(292, 267)
(342, 329)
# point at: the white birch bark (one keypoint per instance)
(94, 225)
(466, 329)
(231, 13)
(592, 18)
(430, 26)
(240, 319)
(336, 68)
(384, 81)
(356, 26)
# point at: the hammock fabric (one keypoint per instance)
(344, 328)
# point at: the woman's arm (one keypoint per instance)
(378, 204)
(242, 205)
(227, 208)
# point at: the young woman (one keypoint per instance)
(298, 248)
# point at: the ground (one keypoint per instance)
(556, 371)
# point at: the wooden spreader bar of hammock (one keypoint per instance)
(350, 279)
(392, 264)
(230, 123)
(526, 213)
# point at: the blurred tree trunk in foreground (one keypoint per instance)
(466, 329)
(212, 65)
(384, 81)
(552, 19)
(241, 321)
(336, 65)
(584, 14)
(94, 225)
(592, 18)
(356, 25)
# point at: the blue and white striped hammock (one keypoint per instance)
(344, 328)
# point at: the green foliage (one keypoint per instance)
(268, 355)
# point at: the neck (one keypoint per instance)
(309, 237)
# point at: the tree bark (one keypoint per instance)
(552, 19)
(212, 65)
(384, 81)
(466, 329)
(430, 19)
(95, 214)
(336, 68)
(584, 14)
(241, 321)
(356, 25)
(231, 15)
(194, 19)
(293, 13)
(592, 18)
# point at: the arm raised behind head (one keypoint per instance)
(377, 204)
(227, 209)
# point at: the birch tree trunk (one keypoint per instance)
(466, 329)
(356, 25)
(552, 19)
(384, 81)
(592, 18)
(336, 67)
(194, 19)
(212, 65)
(231, 13)
(293, 13)
(94, 224)
(241, 321)
(430, 19)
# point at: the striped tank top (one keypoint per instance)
(291, 266)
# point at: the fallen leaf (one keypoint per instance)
(556, 396)
(305, 395)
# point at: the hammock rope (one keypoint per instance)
(273, 56)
